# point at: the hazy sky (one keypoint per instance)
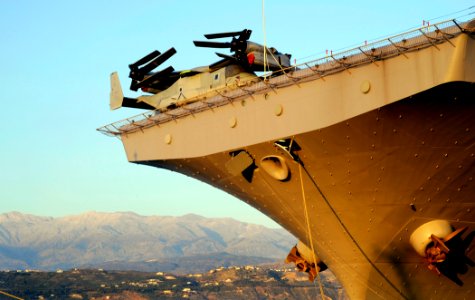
(55, 61)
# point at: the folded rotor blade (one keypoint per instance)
(157, 76)
(212, 44)
(156, 62)
(144, 59)
(229, 57)
(223, 34)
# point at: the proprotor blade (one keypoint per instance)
(228, 57)
(157, 76)
(144, 59)
(154, 63)
(223, 34)
(211, 44)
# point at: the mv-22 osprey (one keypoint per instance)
(169, 88)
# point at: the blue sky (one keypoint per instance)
(55, 61)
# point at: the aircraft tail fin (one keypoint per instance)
(116, 94)
(117, 99)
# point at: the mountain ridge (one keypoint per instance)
(92, 238)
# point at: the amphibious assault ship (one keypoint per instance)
(367, 156)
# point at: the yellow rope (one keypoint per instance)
(264, 32)
(309, 237)
(10, 295)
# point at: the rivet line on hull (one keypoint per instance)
(300, 162)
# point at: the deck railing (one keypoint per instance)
(371, 53)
